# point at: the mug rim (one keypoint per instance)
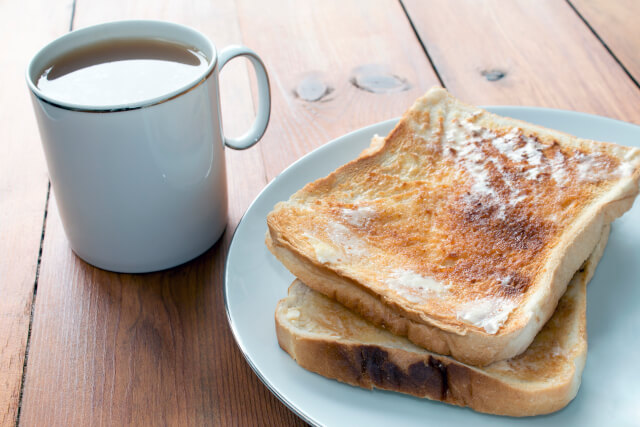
(105, 31)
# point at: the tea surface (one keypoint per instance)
(121, 72)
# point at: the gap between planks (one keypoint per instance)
(37, 276)
(601, 40)
(33, 303)
(424, 47)
(575, 10)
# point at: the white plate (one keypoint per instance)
(255, 281)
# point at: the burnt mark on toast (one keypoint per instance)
(516, 230)
(515, 285)
(523, 234)
(504, 244)
(420, 378)
(439, 367)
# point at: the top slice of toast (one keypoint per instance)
(461, 230)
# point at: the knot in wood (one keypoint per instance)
(377, 78)
(493, 75)
(312, 88)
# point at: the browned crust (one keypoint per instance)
(431, 377)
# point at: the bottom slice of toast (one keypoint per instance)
(326, 338)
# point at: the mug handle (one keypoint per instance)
(259, 126)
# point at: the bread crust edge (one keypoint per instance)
(438, 377)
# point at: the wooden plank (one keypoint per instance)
(137, 350)
(616, 23)
(523, 52)
(23, 183)
(318, 53)
(149, 349)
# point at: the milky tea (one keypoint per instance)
(121, 71)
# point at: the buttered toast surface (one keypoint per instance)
(461, 230)
(326, 338)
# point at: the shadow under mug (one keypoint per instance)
(142, 187)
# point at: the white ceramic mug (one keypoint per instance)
(142, 187)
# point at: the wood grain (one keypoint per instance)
(611, 21)
(548, 57)
(156, 349)
(324, 44)
(23, 183)
(149, 349)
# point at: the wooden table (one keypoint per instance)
(81, 346)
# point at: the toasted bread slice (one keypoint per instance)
(325, 337)
(461, 230)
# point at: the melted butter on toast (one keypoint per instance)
(465, 207)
